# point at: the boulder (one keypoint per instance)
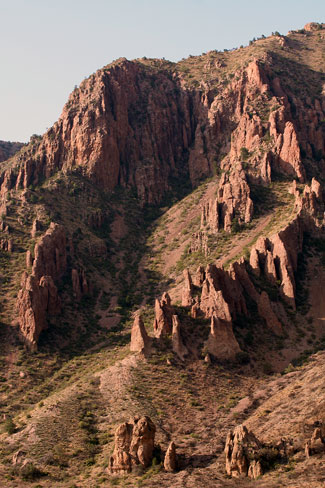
(139, 338)
(134, 444)
(222, 343)
(170, 461)
(241, 448)
(163, 323)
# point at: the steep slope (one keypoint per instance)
(9, 149)
(202, 179)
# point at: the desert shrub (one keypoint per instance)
(9, 426)
(30, 472)
(242, 357)
(267, 368)
(244, 153)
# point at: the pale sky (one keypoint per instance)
(48, 46)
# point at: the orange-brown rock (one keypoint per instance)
(139, 338)
(222, 294)
(29, 259)
(120, 462)
(199, 276)
(241, 447)
(178, 346)
(282, 248)
(170, 461)
(163, 323)
(38, 295)
(187, 290)
(37, 226)
(233, 201)
(50, 253)
(6, 244)
(222, 343)
(35, 299)
(134, 444)
(255, 470)
(266, 312)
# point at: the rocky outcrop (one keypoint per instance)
(178, 346)
(316, 444)
(170, 461)
(80, 285)
(140, 341)
(222, 343)
(266, 312)
(241, 449)
(222, 294)
(233, 202)
(277, 256)
(35, 299)
(163, 323)
(50, 253)
(38, 295)
(187, 291)
(134, 444)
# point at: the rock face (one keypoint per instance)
(50, 253)
(35, 299)
(277, 258)
(222, 343)
(233, 202)
(177, 342)
(241, 448)
(170, 461)
(265, 310)
(139, 338)
(38, 295)
(163, 323)
(187, 291)
(134, 444)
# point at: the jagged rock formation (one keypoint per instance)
(35, 299)
(316, 444)
(265, 310)
(38, 295)
(187, 291)
(134, 444)
(170, 461)
(241, 449)
(178, 346)
(139, 338)
(163, 323)
(233, 202)
(222, 343)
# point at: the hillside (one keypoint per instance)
(8, 149)
(162, 258)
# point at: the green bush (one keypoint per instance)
(9, 426)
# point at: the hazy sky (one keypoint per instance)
(48, 46)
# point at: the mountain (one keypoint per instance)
(8, 149)
(162, 260)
